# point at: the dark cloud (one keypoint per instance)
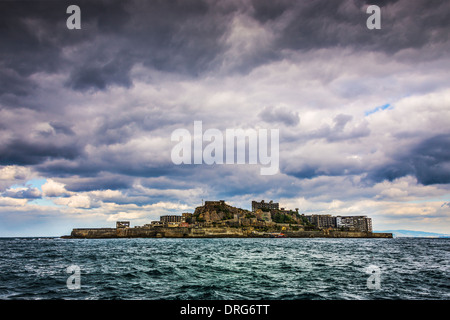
(315, 24)
(29, 31)
(22, 152)
(82, 167)
(100, 182)
(173, 36)
(99, 75)
(12, 84)
(188, 37)
(27, 193)
(311, 169)
(124, 123)
(62, 128)
(431, 160)
(279, 115)
(34, 36)
(428, 161)
(338, 131)
(266, 10)
(127, 164)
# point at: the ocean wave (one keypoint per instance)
(225, 268)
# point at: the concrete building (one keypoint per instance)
(122, 224)
(322, 220)
(216, 203)
(354, 223)
(265, 206)
(359, 223)
(172, 218)
(186, 215)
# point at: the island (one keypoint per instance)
(217, 219)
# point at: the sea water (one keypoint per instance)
(211, 269)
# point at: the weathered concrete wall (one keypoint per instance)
(94, 233)
(335, 234)
(113, 233)
(180, 232)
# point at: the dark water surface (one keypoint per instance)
(410, 268)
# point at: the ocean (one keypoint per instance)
(225, 269)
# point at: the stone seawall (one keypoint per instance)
(159, 232)
(183, 232)
(335, 234)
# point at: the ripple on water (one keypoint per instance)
(225, 268)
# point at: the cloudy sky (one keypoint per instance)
(86, 115)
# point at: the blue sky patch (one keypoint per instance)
(379, 108)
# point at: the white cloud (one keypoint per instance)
(54, 189)
(167, 205)
(106, 194)
(125, 216)
(75, 201)
(12, 202)
(14, 173)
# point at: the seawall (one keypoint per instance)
(335, 234)
(159, 232)
(224, 232)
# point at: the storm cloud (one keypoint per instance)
(363, 114)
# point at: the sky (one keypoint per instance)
(86, 115)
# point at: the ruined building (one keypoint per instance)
(265, 206)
